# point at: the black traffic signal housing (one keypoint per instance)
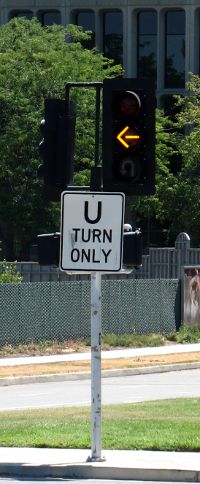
(57, 147)
(129, 136)
(49, 248)
(132, 247)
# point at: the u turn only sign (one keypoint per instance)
(91, 231)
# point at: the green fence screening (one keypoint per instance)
(61, 310)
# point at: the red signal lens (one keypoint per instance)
(126, 103)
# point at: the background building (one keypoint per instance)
(150, 38)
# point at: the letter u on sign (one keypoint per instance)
(98, 217)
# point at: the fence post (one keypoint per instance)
(182, 246)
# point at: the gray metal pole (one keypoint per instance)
(96, 366)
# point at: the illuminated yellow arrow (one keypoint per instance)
(122, 139)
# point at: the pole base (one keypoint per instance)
(95, 459)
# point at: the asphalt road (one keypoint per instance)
(124, 389)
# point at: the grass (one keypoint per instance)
(169, 425)
(185, 334)
(133, 340)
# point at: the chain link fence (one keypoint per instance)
(61, 310)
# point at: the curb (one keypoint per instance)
(22, 380)
(96, 471)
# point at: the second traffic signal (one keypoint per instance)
(129, 136)
(57, 147)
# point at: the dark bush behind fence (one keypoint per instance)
(61, 310)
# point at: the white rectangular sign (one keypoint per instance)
(91, 231)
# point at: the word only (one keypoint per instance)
(91, 245)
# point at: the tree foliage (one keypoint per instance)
(181, 204)
(187, 194)
(35, 63)
(155, 206)
(176, 203)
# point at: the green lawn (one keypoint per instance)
(162, 425)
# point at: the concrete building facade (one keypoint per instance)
(159, 38)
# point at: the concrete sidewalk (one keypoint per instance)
(105, 355)
(110, 354)
(118, 464)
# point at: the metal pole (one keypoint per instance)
(97, 123)
(96, 170)
(96, 366)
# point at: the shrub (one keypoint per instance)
(9, 273)
(186, 334)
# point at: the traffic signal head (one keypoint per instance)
(57, 147)
(132, 247)
(49, 249)
(129, 136)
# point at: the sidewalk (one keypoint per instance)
(122, 353)
(69, 463)
(115, 355)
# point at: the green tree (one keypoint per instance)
(179, 199)
(176, 203)
(36, 62)
(186, 196)
(156, 207)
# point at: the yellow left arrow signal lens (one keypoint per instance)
(127, 134)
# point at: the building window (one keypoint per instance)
(113, 36)
(147, 44)
(86, 19)
(22, 13)
(175, 48)
(49, 17)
